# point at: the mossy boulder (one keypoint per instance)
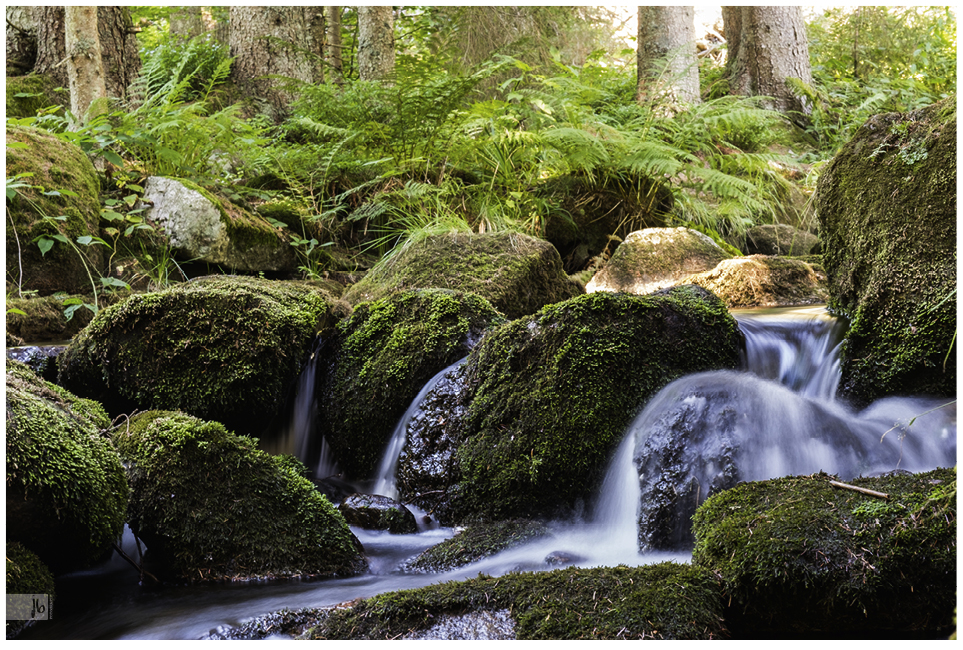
(66, 489)
(210, 505)
(475, 542)
(381, 358)
(800, 557)
(658, 601)
(764, 281)
(26, 574)
(223, 348)
(46, 320)
(656, 258)
(780, 239)
(27, 94)
(550, 395)
(887, 217)
(60, 198)
(205, 227)
(377, 512)
(516, 273)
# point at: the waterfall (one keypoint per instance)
(708, 431)
(384, 483)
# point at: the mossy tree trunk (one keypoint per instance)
(85, 67)
(767, 45)
(376, 42)
(667, 61)
(282, 41)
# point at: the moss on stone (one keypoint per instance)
(659, 601)
(475, 542)
(779, 239)
(211, 506)
(799, 556)
(887, 212)
(45, 320)
(36, 91)
(550, 395)
(66, 490)
(384, 354)
(26, 574)
(55, 166)
(225, 348)
(516, 273)
(763, 281)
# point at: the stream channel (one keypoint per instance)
(785, 401)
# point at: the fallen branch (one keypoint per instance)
(871, 493)
(140, 568)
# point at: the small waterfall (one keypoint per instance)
(384, 483)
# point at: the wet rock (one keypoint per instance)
(561, 558)
(656, 258)
(42, 359)
(484, 625)
(377, 512)
(474, 542)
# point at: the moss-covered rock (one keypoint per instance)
(210, 505)
(223, 348)
(658, 601)
(68, 205)
(550, 395)
(45, 318)
(475, 542)
(30, 93)
(516, 273)
(887, 217)
(764, 281)
(26, 574)
(66, 489)
(377, 512)
(656, 258)
(780, 239)
(382, 357)
(800, 557)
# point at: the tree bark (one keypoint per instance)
(333, 26)
(376, 42)
(767, 45)
(187, 22)
(118, 47)
(667, 63)
(21, 40)
(283, 41)
(85, 67)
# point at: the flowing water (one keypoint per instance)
(699, 434)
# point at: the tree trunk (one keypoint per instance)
(767, 45)
(376, 42)
(118, 47)
(21, 40)
(187, 22)
(283, 41)
(85, 67)
(334, 43)
(667, 63)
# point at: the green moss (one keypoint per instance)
(889, 249)
(66, 490)
(210, 505)
(225, 348)
(39, 91)
(660, 601)
(385, 352)
(799, 556)
(474, 542)
(763, 281)
(45, 320)
(246, 231)
(550, 395)
(26, 574)
(516, 273)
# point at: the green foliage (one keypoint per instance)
(201, 61)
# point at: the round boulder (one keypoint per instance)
(764, 281)
(377, 512)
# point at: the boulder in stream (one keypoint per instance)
(377, 512)
(887, 217)
(211, 506)
(225, 348)
(66, 492)
(764, 281)
(799, 557)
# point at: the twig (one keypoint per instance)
(871, 493)
(143, 572)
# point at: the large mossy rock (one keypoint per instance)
(66, 491)
(67, 205)
(800, 557)
(210, 505)
(887, 217)
(26, 574)
(516, 273)
(764, 281)
(381, 358)
(656, 258)
(658, 601)
(222, 348)
(475, 542)
(550, 395)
